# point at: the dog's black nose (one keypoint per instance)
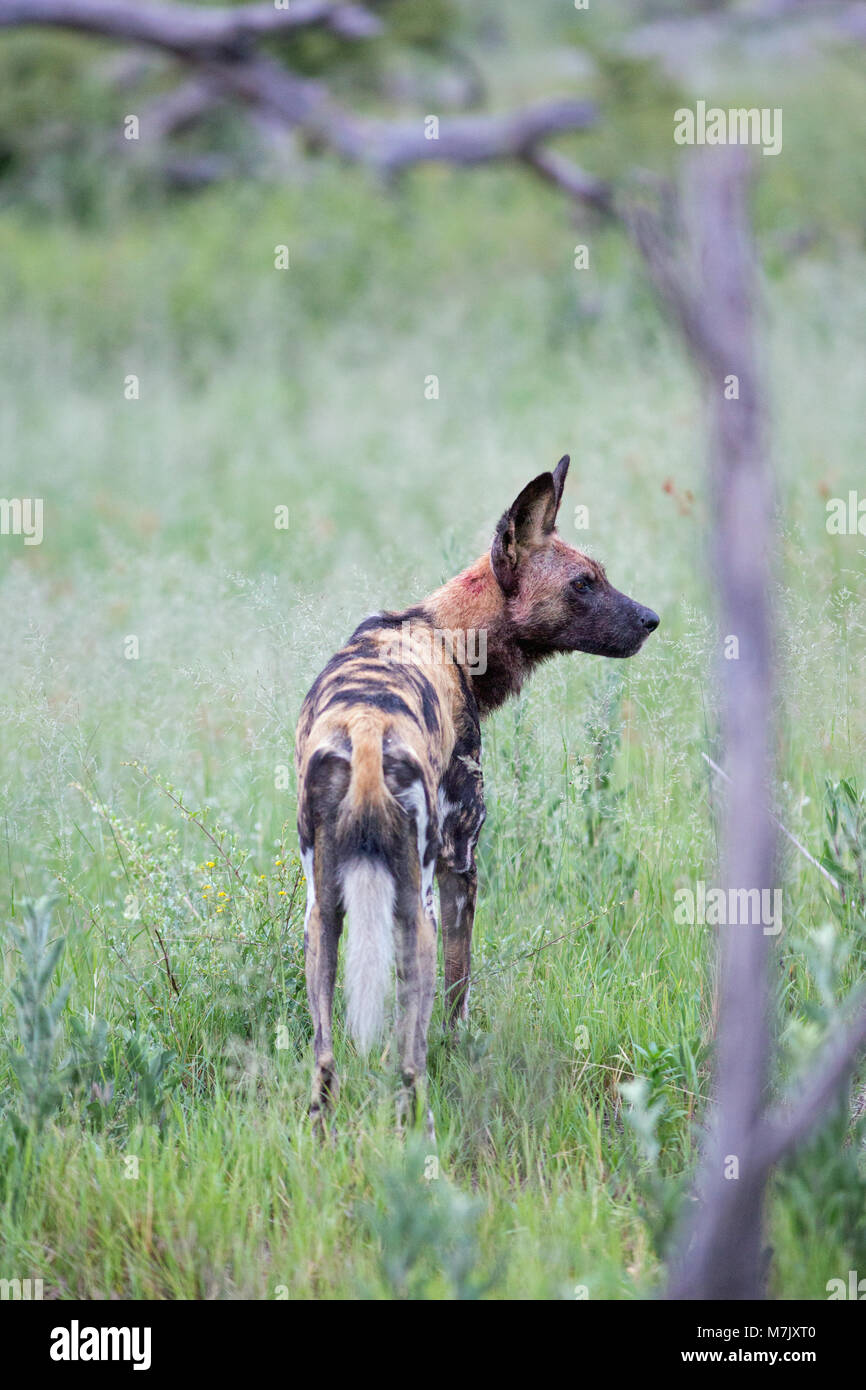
(649, 619)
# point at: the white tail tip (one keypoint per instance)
(368, 894)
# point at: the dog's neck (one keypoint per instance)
(474, 602)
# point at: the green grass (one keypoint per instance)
(306, 388)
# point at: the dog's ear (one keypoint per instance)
(528, 522)
(560, 473)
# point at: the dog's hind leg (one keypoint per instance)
(326, 783)
(414, 927)
(323, 935)
(322, 930)
(415, 955)
(406, 926)
(415, 951)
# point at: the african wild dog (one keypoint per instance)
(389, 779)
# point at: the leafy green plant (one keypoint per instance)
(38, 1011)
(214, 932)
(427, 1233)
(823, 1186)
(45, 1074)
(88, 1051)
(659, 1101)
(644, 1110)
(844, 853)
(154, 1079)
(647, 1109)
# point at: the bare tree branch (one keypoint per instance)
(197, 171)
(191, 31)
(574, 181)
(785, 1129)
(219, 42)
(682, 42)
(179, 109)
(478, 139)
(387, 146)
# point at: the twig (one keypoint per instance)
(119, 840)
(794, 841)
(573, 180)
(190, 815)
(533, 951)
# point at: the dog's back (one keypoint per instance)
(376, 732)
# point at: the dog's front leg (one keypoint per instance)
(457, 890)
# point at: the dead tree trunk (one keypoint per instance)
(701, 261)
(721, 1255)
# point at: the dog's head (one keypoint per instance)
(557, 598)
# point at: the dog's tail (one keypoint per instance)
(369, 852)
(368, 894)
